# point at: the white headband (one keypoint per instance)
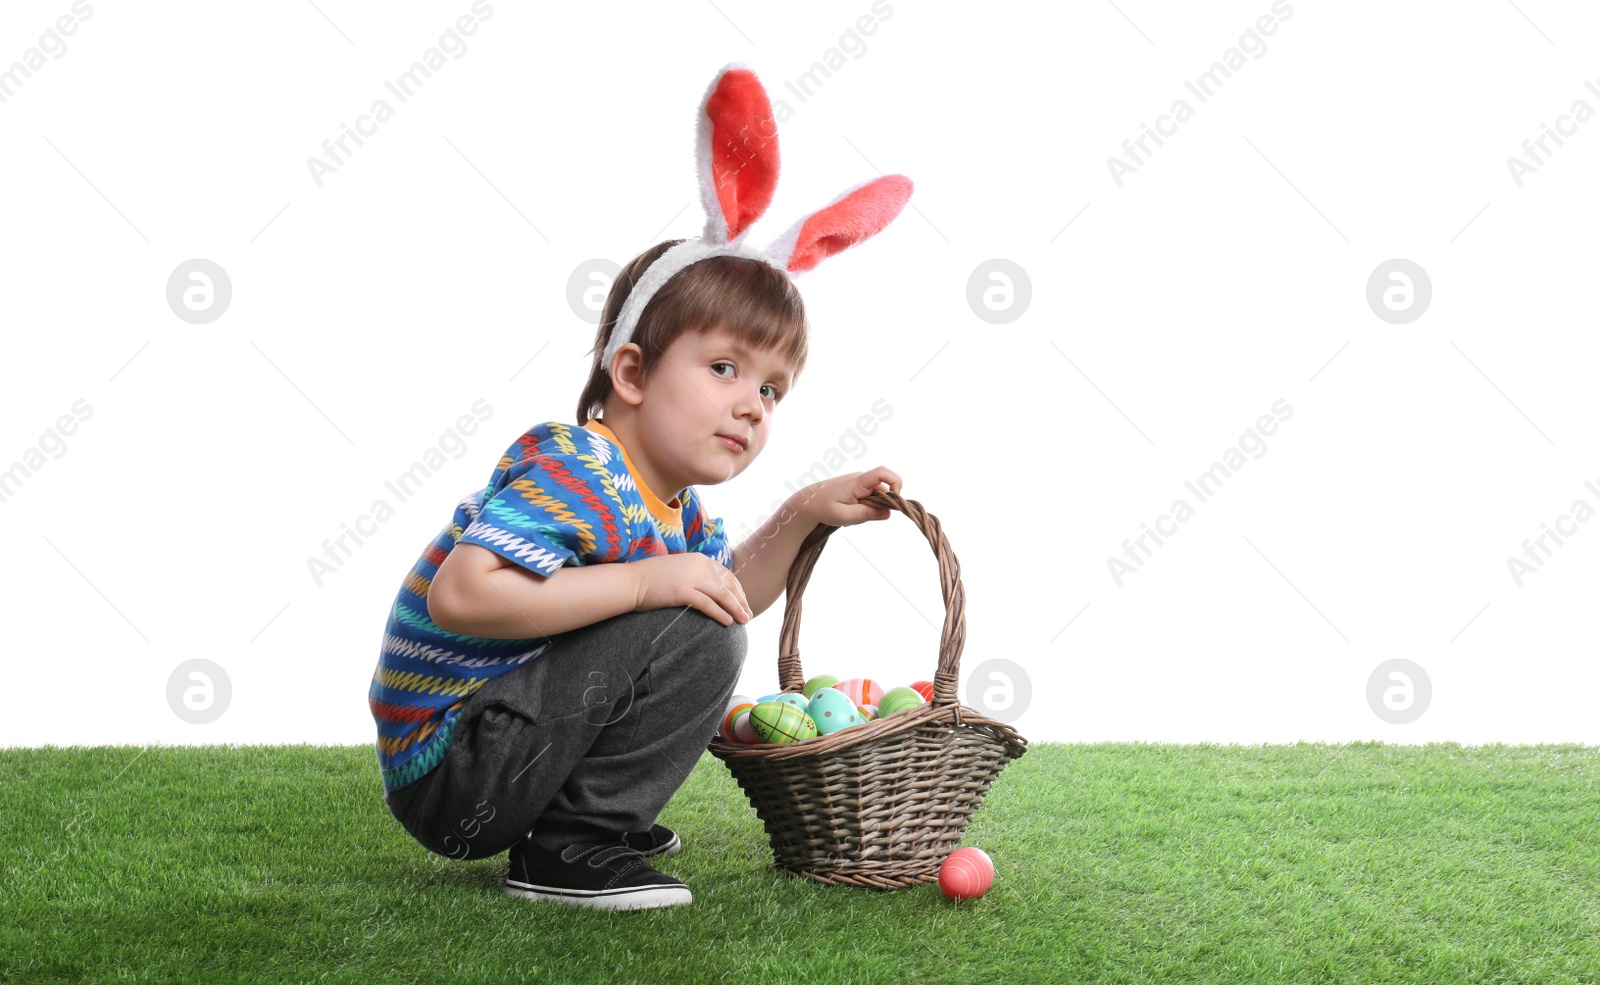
(656, 276)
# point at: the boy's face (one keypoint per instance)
(708, 384)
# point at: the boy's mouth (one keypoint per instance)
(735, 442)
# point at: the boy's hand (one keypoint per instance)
(837, 501)
(691, 579)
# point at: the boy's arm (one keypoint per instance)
(762, 561)
(477, 592)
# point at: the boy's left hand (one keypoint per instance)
(837, 501)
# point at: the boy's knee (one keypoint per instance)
(725, 645)
(714, 648)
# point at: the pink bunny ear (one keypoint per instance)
(736, 153)
(858, 214)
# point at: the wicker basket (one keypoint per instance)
(878, 805)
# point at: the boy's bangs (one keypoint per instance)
(760, 308)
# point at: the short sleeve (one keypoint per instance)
(551, 503)
(705, 534)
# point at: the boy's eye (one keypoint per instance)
(777, 394)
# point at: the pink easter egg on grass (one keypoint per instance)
(966, 873)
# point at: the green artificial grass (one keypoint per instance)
(1116, 863)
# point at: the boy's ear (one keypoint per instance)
(627, 368)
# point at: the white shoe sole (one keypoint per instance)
(639, 898)
(672, 847)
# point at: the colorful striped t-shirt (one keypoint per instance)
(561, 495)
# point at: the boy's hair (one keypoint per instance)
(754, 301)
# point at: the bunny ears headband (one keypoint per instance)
(736, 158)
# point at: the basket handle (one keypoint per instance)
(954, 635)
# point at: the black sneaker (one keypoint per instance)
(659, 840)
(604, 875)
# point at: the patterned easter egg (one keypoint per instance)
(924, 688)
(862, 690)
(869, 712)
(737, 705)
(898, 699)
(742, 732)
(831, 711)
(770, 697)
(820, 681)
(776, 722)
(794, 698)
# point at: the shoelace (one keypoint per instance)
(606, 852)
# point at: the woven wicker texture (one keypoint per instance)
(878, 805)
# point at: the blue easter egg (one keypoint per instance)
(833, 710)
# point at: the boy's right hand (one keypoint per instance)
(691, 579)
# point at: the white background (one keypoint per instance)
(1227, 273)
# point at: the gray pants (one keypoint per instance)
(585, 742)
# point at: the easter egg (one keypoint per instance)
(862, 690)
(742, 732)
(794, 698)
(770, 697)
(924, 688)
(869, 712)
(831, 711)
(736, 705)
(898, 699)
(776, 722)
(966, 873)
(820, 681)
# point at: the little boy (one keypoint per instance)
(534, 695)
